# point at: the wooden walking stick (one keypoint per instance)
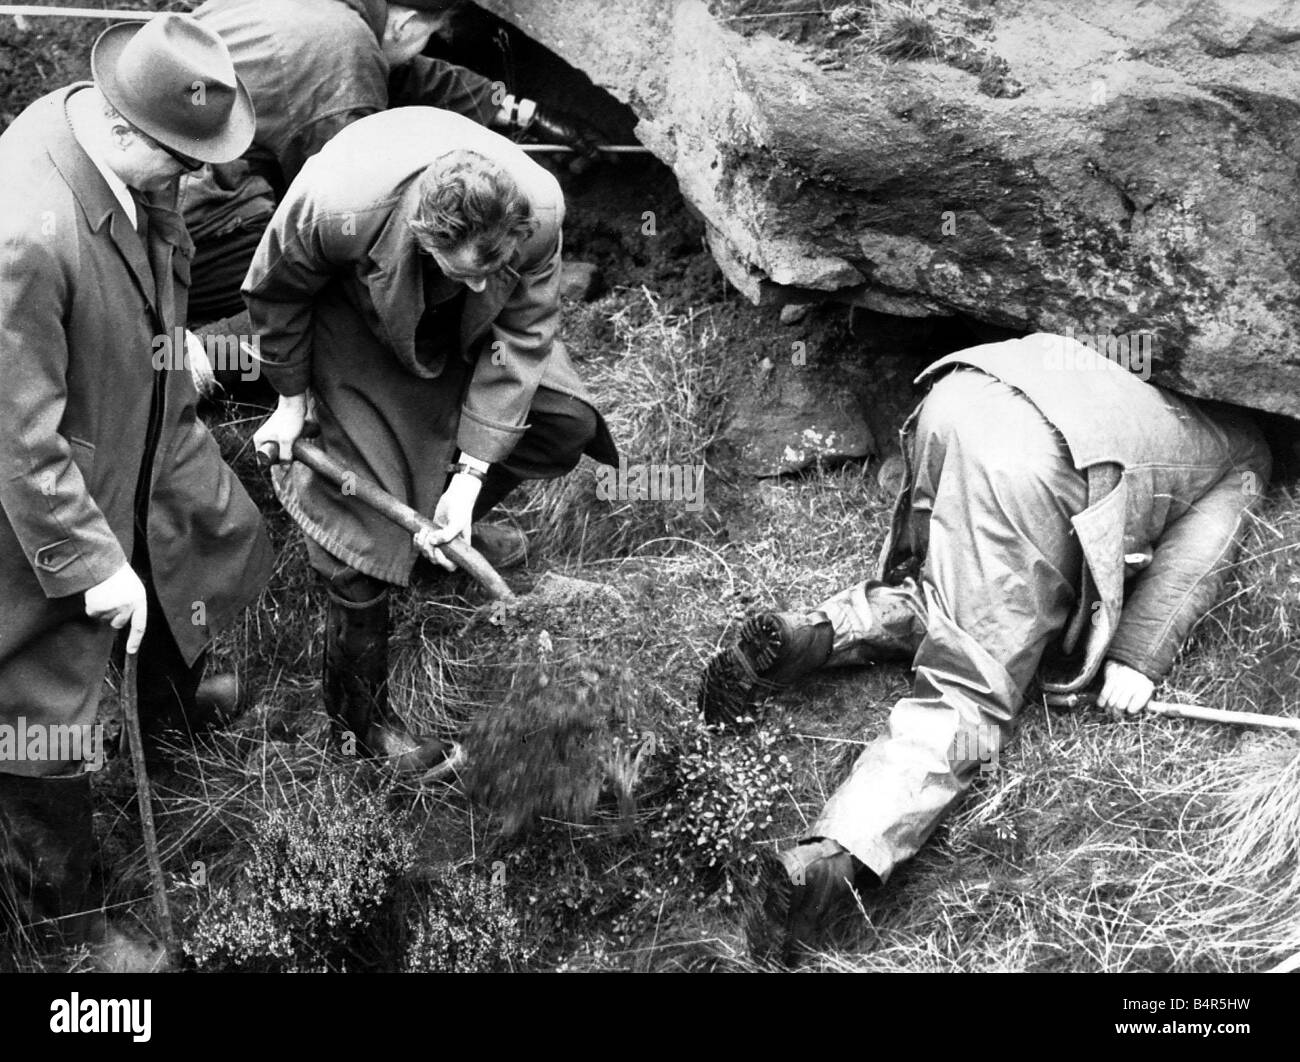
(144, 795)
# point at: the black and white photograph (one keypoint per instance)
(764, 487)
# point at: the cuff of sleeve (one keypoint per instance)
(288, 380)
(487, 440)
(1145, 663)
(63, 570)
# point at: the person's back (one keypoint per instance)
(304, 62)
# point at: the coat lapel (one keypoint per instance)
(132, 249)
(396, 284)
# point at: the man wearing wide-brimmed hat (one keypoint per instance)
(116, 508)
(313, 67)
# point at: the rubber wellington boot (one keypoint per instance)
(774, 650)
(50, 893)
(355, 685)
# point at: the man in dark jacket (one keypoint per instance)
(117, 507)
(313, 67)
(1057, 511)
(410, 282)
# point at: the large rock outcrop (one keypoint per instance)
(1101, 169)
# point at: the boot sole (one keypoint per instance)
(731, 686)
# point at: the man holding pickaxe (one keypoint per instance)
(409, 284)
(1057, 513)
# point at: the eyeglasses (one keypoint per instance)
(190, 164)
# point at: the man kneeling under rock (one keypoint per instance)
(1074, 518)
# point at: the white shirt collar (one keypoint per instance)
(114, 182)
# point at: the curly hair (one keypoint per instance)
(468, 201)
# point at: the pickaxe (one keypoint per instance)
(464, 557)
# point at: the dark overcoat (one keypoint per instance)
(336, 292)
(81, 325)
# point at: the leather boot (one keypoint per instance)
(501, 546)
(355, 686)
(774, 650)
(866, 623)
(801, 892)
(49, 888)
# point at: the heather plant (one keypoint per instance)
(722, 795)
(318, 874)
(464, 925)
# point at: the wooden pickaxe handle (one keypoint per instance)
(464, 557)
(1190, 711)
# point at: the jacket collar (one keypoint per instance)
(97, 200)
(373, 12)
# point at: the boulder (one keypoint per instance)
(1098, 170)
(791, 417)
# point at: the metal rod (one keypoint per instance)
(76, 12)
(144, 795)
(610, 149)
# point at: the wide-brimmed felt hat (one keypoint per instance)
(174, 79)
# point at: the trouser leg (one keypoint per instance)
(998, 582)
(166, 685)
(873, 622)
(560, 429)
(219, 267)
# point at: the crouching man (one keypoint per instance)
(116, 509)
(313, 67)
(1075, 518)
(409, 282)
